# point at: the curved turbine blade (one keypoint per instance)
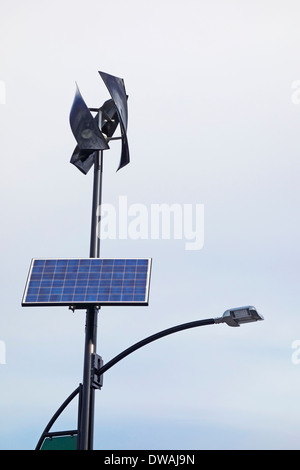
(84, 127)
(125, 157)
(83, 159)
(116, 88)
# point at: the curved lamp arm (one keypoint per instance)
(232, 317)
(118, 358)
(149, 339)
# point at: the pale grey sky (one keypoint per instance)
(212, 121)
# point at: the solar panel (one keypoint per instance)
(85, 282)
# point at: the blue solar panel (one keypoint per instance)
(88, 281)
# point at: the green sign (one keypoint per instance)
(60, 443)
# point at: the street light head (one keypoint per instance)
(240, 315)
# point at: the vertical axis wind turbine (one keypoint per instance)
(92, 134)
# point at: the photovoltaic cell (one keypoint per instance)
(87, 281)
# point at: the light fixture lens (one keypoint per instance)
(241, 313)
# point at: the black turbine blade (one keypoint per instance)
(116, 88)
(83, 159)
(84, 126)
(125, 158)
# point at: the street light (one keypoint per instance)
(232, 317)
(240, 315)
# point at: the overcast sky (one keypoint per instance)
(214, 121)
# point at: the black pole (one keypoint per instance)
(88, 392)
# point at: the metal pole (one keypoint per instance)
(88, 392)
(96, 206)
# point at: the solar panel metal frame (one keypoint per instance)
(143, 286)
